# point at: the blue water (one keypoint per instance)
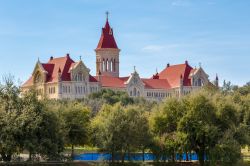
(134, 157)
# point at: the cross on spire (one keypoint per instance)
(107, 15)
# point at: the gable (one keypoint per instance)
(174, 73)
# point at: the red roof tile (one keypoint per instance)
(62, 63)
(173, 73)
(156, 83)
(115, 82)
(107, 39)
(28, 82)
(92, 79)
(53, 67)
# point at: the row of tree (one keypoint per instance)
(41, 127)
(213, 123)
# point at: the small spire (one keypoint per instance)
(134, 69)
(38, 60)
(216, 78)
(200, 64)
(80, 57)
(107, 15)
(156, 71)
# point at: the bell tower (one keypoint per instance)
(107, 53)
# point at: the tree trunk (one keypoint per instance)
(128, 154)
(29, 155)
(123, 155)
(201, 157)
(112, 156)
(143, 153)
(190, 155)
(187, 156)
(72, 151)
(173, 156)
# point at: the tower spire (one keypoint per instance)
(107, 52)
(107, 15)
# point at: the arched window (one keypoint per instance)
(200, 82)
(134, 92)
(138, 94)
(114, 65)
(107, 65)
(38, 77)
(111, 65)
(103, 65)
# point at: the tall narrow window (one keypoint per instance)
(134, 92)
(107, 64)
(103, 65)
(111, 65)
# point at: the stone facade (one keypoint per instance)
(63, 78)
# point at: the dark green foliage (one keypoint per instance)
(112, 97)
(212, 123)
(26, 123)
(76, 120)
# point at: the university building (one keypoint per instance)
(64, 78)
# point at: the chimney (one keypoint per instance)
(67, 55)
(51, 58)
(168, 65)
(186, 62)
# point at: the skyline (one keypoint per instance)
(215, 34)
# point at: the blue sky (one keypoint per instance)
(150, 34)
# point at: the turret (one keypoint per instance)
(107, 53)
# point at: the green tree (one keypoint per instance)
(199, 125)
(112, 97)
(10, 108)
(164, 123)
(76, 122)
(40, 128)
(108, 128)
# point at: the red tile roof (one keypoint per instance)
(168, 78)
(115, 82)
(62, 63)
(173, 74)
(28, 82)
(156, 83)
(92, 79)
(107, 39)
(56, 65)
